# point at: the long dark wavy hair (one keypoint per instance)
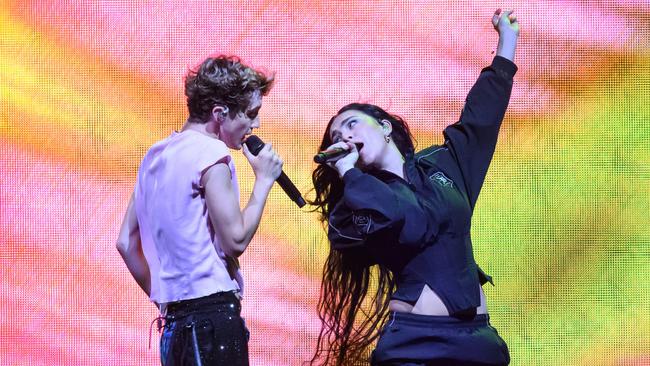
(350, 316)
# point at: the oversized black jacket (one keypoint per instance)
(419, 227)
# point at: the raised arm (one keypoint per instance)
(130, 247)
(473, 138)
(235, 227)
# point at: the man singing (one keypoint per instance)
(183, 229)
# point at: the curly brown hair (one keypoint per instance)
(223, 80)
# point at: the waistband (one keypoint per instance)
(428, 321)
(219, 301)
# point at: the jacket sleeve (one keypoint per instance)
(370, 209)
(473, 138)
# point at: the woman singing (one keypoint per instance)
(408, 215)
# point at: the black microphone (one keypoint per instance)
(327, 155)
(254, 145)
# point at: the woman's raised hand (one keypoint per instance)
(506, 24)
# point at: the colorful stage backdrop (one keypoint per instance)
(562, 223)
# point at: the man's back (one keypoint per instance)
(177, 237)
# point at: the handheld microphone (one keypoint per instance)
(254, 145)
(327, 155)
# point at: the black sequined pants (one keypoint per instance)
(205, 331)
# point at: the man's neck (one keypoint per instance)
(207, 128)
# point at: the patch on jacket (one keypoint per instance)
(441, 178)
(362, 222)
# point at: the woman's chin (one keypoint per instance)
(363, 165)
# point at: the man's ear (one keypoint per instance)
(219, 111)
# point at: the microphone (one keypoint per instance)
(327, 155)
(254, 145)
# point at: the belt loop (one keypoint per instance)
(391, 316)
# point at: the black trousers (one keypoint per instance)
(205, 331)
(421, 340)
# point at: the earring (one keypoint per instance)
(387, 138)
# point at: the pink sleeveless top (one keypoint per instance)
(185, 258)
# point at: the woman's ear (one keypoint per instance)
(386, 126)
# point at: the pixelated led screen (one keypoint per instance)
(562, 222)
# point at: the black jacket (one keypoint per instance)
(419, 227)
